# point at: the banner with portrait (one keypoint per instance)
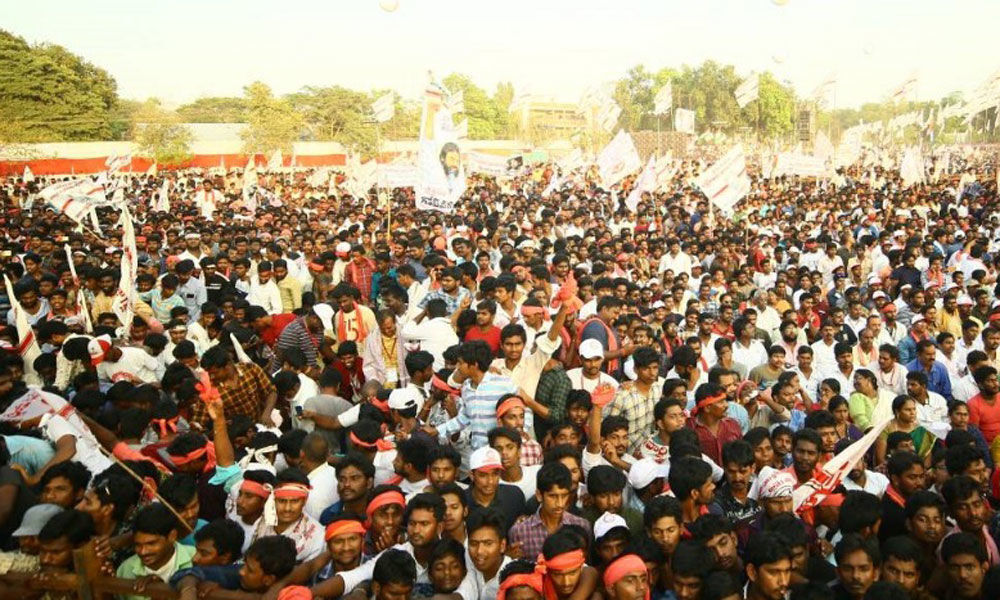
(442, 174)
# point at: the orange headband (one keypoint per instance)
(382, 405)
(509, 404)
(193, 455)
(379, 444)
(710, 400)
(625, 565)
(532, 580)
(292, 490)
(383, 499)
(343, 527)
(528, 311)
(442, 385)
(567, 561)
(257, 489)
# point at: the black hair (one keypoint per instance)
(686, 475)
(415, 452)
(709, 525)
(901, 462)
(504, 432)
(789, 528)
(455, 490)
(553, 474)
(958, 488)
(659, 507)
(226, 535)
(476, 353)
(603, 479)
(737, 452)
(445, 452)
(425, 501)
(612, 424)
(859, 510)
(179, 490)
(923, 499)
(155, 519)
(560, 542)
(358, 461)
(290, 442)
(117, 490)
(394, 566)
(275, 554)
(719, 585)
(486, 517)
(902, 547)
(958, 458)
(448, 547)
(692, 559)
(74, 472)
(853, 542)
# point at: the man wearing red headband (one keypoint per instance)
(290, 494)
(626, 579)
(710, 422)
(511, 412)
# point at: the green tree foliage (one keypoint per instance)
(214, 110)
(485, 120)
(272, 123)
(337, 114)
(160, 134)
(50, 94)
(503, 97)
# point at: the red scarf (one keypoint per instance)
(342, 326)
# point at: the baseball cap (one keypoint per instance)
(343, 249)
(485, 458)
(35, 518)
(325, 314)
(591, 349)
(404, 398)
(606, 523)
(98, 349)
(965, 300)
(917, 319)
(644, 471)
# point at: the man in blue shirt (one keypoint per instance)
(935, 372)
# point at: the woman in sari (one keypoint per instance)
(861, 405)
(904, 411)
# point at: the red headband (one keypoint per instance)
(343, 527)
(508, 404)
(383, 499)
(380, 444)
(442, 385)
(528, 311)
(567, 561)
(292, 490)
(706, 401)
(257, 489)
(625, 565)
(382, 405)
(193, 455)
(532, 580)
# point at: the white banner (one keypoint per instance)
(796, 163)
(384, 108)
(911, 166)
(618, 159)
(825, 92)
(76, 198)
(488, 164)
(905, 91)
(664, 99)
(748, 91)
(822, 147)
(726, 182)
(397, 176)
(462, 129)
(684, 120)
(442, 174)
(123, 302)
(607, 117)
(646, 182)
(28, 175)
(27, 344)
(81, 303)
(276, 161)
(36, 403)
(117, 162)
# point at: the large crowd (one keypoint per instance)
(538, 396)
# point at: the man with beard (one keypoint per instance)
(906, 476)
(717, 533)
(858, 562)
(925, 522)
(966, 563)
(732, 498)
(355, 478)
(344, 540)
(807, 446)
(291, 491)
(60, 536)
(626, 578)
(967, 508)
(769, 567)
(423, 517)
(410, 463)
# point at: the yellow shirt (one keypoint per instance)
(291, 294)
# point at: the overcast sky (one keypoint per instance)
(179, 50)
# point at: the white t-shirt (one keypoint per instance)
(323, 480)
(87, 451)
(875, 483)
(528, 482)
(135, 365)
(579, 382)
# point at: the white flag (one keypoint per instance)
(456, 102)
(684, 120)
(814, 491)
(276, 161)
(906, 90)
(81, 302)
(726, 182)
(384, 108)
(618, 159)
(911, 166)
(824, 92)
(748, 91)
(607, 117)
(123, 302)
(117, 162)
(27, 345)
(28, 175)
(37, 402)
(462, 129)
(442, 172)
(241, 354)
(163, 197)
(664, 99)
(152, 170)
(645, 183)
(76, 198)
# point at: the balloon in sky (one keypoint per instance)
(388, 5)
(779, 2)
(778, 58)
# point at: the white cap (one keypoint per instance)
(526, 244)
(644, 471)
(880, 294)
(404, 398)
(606, 523)
(965, 300)
(658, 304)
(917, 319)
(485, 458)
(325, 314)
(342, 248)
(591, 349)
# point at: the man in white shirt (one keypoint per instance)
(589, 375)
(675, 260)
(263, 291)
(322, 477)
(434, 334)
(121, 364)
(746, 350)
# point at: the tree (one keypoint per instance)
(272, 123)
(160, 134)
(337, 114)
(503, 97)
(214, 110)
(773, 113)
(485, 122)
(50, 94)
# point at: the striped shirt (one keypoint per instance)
(479, 409)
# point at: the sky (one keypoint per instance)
(180, 50)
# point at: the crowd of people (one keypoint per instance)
(535, 397)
